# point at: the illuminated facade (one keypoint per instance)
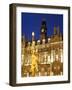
(43, 57)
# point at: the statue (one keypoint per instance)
(34, 61)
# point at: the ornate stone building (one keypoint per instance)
(43, 57)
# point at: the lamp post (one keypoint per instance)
(33, 34)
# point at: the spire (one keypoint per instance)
(58, 30)
(23, 38)
(55, 30)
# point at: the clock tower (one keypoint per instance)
(43, 30)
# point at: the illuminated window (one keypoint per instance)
(22, 58)
(61, 51)
(52, 56)
(49, 60)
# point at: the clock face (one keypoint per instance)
(42, 30)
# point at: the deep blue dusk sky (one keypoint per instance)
(31, 22)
